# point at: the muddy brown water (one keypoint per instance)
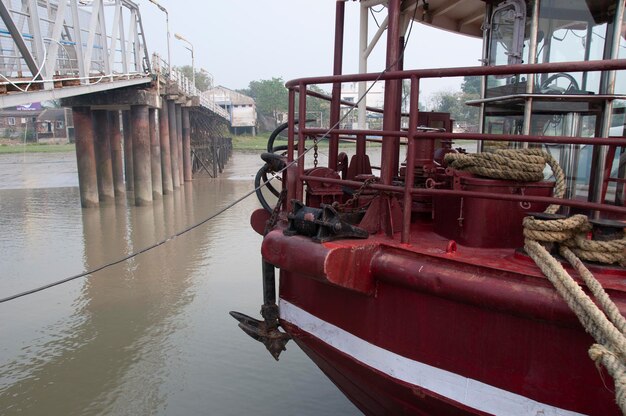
(149, 336)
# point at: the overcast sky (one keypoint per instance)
(243, 40)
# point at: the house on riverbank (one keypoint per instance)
(33, 123)
(242, 109)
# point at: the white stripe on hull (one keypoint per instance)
(467, 391)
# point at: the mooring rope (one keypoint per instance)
(604, 323)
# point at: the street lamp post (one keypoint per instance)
(190, 48)
(167, 25)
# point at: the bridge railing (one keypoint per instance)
(185, 85)
(84, 41)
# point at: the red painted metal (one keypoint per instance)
(516, 333)
(487, 223)
(117, 161)
(410, 160)
(336, 92)
(391, 120)
(166, 157)
(460, 297)
(85, 157)
(594, 65)
(473, 194)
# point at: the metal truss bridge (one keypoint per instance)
(54, 49)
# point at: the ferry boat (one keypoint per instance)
(418, 276)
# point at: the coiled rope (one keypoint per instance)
(604, 322)
(524, 165)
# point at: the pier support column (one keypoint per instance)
(128, 151)
(187, 173)
(117, 162)
(171, 110)
(166, 157)
(179, 133)
(85, 157)
(142, 172)
(155, 156)
(104, 168)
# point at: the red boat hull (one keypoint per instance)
(434, 336)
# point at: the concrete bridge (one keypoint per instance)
(133, 115)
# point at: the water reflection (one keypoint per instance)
(150, 335)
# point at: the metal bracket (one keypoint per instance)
(322, 224)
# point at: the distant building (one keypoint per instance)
(20, 122)
(242, 109)
(52, 125)
(375, 98)
(34, 123)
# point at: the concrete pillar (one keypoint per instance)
(85, 157)
(128, 151)
(187, 173)
(166, 157)
(142, 172)
(171, 110)
(155, 155)
(179, 133)
(104, 168)
(117, 162)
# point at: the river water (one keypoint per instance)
(151, 335)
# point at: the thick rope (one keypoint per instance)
(524, 165)
(605, 323)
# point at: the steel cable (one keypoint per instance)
(219, 212)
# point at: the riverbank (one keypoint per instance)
(8, 148)
(258, 142)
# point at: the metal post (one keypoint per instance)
(139, 126)
(166, 157)
(363, 27)
(102, 149)
(167, 27)
(179, 142)
(85, 157)
(117, 162)
(335, 105)
(193, 62)
(392, 90)
(188, 176)
(128, 151)
(155, 155)
(171, 110)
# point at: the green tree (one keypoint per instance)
(270, 95)
(471, 85)
(455, 102)
(318, 108)
(203, 80)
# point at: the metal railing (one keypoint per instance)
(297, 98)
(185, 85)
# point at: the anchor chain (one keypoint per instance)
(315, 154)
(273, 219)
(355, 196)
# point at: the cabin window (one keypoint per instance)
(507, 33)
(11, 121)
